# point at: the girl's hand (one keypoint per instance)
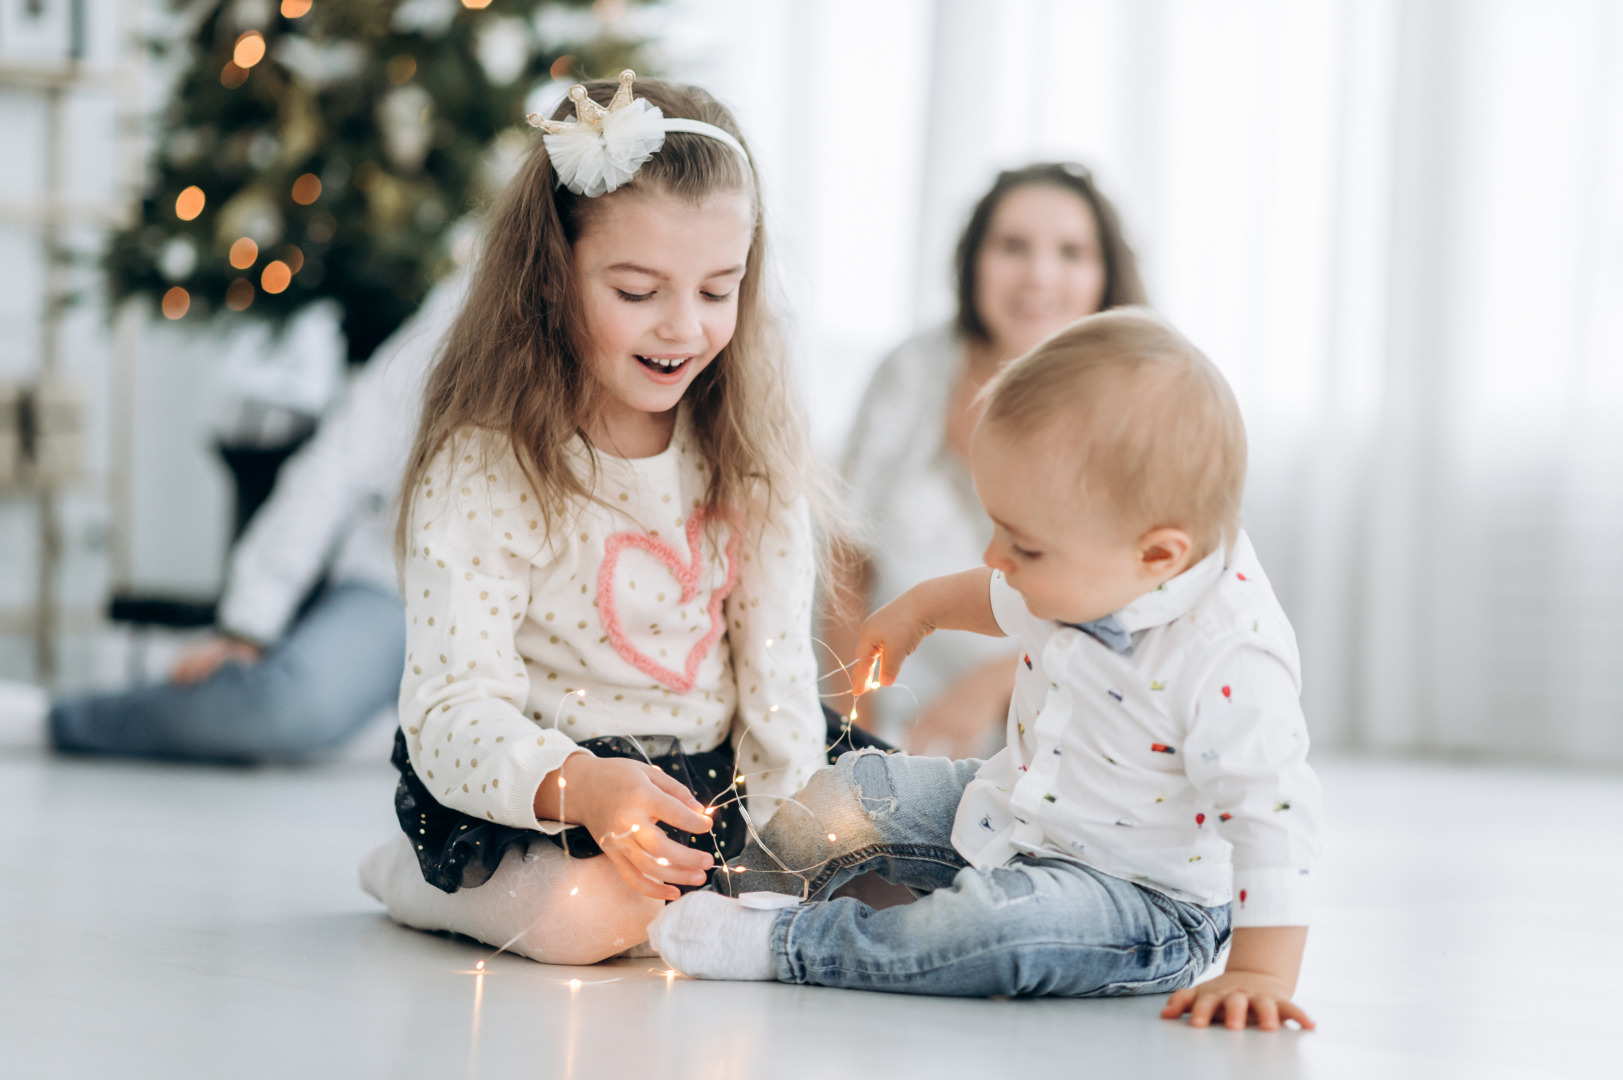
(622, 802)
(1238, 996)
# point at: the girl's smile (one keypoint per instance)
(665, 369)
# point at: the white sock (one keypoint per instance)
(708, 936)
(22, 716)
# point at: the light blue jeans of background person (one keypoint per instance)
(1035, 926)
(339, 665)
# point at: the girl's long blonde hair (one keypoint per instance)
(513, 365)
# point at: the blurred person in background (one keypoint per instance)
(1043, 248)
(282, 681)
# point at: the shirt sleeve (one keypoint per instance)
(467, 590)
(778, 730)
(1247, 747)
(1009, 609)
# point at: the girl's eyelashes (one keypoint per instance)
(1023, 553)
(637, 298)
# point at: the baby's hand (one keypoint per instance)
(888, 637)
(622, 802)
(1238, 996)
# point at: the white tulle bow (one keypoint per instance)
(593, 163)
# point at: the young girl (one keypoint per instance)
(605, 547)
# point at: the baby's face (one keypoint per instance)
(1071, 558)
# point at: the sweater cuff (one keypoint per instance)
(1271, 896)
(552, 749)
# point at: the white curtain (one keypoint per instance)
(1397, 225)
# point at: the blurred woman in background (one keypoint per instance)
(281, 680)
(1042, 249)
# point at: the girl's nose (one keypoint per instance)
(995, 558)
(681, 324)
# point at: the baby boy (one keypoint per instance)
(1153, 803)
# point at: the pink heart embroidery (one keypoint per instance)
(686, 575)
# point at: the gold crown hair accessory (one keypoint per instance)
(605, 145)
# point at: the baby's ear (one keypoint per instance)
(1165, 552)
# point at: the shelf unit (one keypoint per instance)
(51, 82)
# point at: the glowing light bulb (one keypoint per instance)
(853, 715)
(574, 984)
(636, 828)
(277, 276)
(580, 693)
(663, 861)
(562, 782)
(773, 709)
(480, 966)
(831, 837)
(189, 203)
(176, 302)
(250, 49)
(575, 890)
(307, 189)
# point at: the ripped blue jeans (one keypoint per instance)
(1034, 926)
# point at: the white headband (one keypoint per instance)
(604, 146)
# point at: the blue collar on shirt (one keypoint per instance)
(1108, 631)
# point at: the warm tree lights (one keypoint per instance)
(305, 125)
(250, 49)
(400, 69)
(189, 203)
(276, 277)
(307, 189)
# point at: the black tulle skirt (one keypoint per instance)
(459, 851)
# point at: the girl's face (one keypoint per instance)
(658, 279)
(1039, 268)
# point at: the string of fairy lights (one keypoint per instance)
(736, 794)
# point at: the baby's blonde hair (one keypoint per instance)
(1153, 424)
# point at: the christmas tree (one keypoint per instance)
(336, 149)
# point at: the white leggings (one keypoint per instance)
(560, 910)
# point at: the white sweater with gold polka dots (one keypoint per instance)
(520, 644)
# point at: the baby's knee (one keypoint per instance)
(871, 783)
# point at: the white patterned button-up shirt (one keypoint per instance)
(1180, 764)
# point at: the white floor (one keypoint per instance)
(177, 922)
